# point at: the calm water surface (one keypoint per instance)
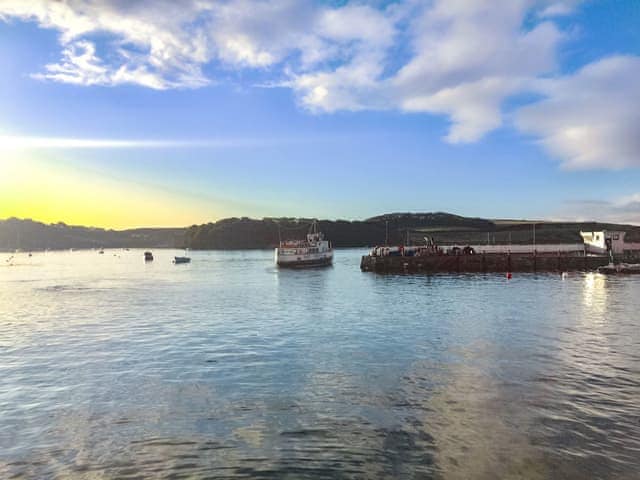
(227, 367)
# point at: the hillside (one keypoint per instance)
(240, 233)
(522, 232)
(244, 232)
(247, 233)
(30, 235)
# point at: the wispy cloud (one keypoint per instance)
(9, 142)
(590, 119)
(559, 8)
(458, 58)
(344, 50)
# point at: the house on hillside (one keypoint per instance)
(605, 240)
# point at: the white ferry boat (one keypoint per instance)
(315, 251)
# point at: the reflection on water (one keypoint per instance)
(595, 297)
(227, 367)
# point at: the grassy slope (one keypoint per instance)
(239, 233)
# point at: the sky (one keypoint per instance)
(160, 113)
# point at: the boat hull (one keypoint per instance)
(304, 261)
(623, 268)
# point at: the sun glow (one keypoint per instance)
(47, 191)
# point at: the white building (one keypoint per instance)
(600, 242)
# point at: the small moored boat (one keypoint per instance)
(620, 268)
(177, 260)
(148, 256)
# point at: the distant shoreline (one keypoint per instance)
(252, 234)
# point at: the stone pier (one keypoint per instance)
(483, 263)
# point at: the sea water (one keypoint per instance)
(111, 367)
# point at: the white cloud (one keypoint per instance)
(557, 9)
(356, 22)
(79, 66)
(458, 58)
(471, 57)
(17, 142)
(149, 44)
(590, 119)
(12, 142)
(466, 58)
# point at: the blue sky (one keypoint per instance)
(509, 108)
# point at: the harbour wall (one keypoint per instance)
(482, 263)
(556, 248)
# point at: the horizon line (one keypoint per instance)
(174, 227)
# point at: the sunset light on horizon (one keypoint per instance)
(123, 116)
(51, 192)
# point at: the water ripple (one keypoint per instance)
(229, 368)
